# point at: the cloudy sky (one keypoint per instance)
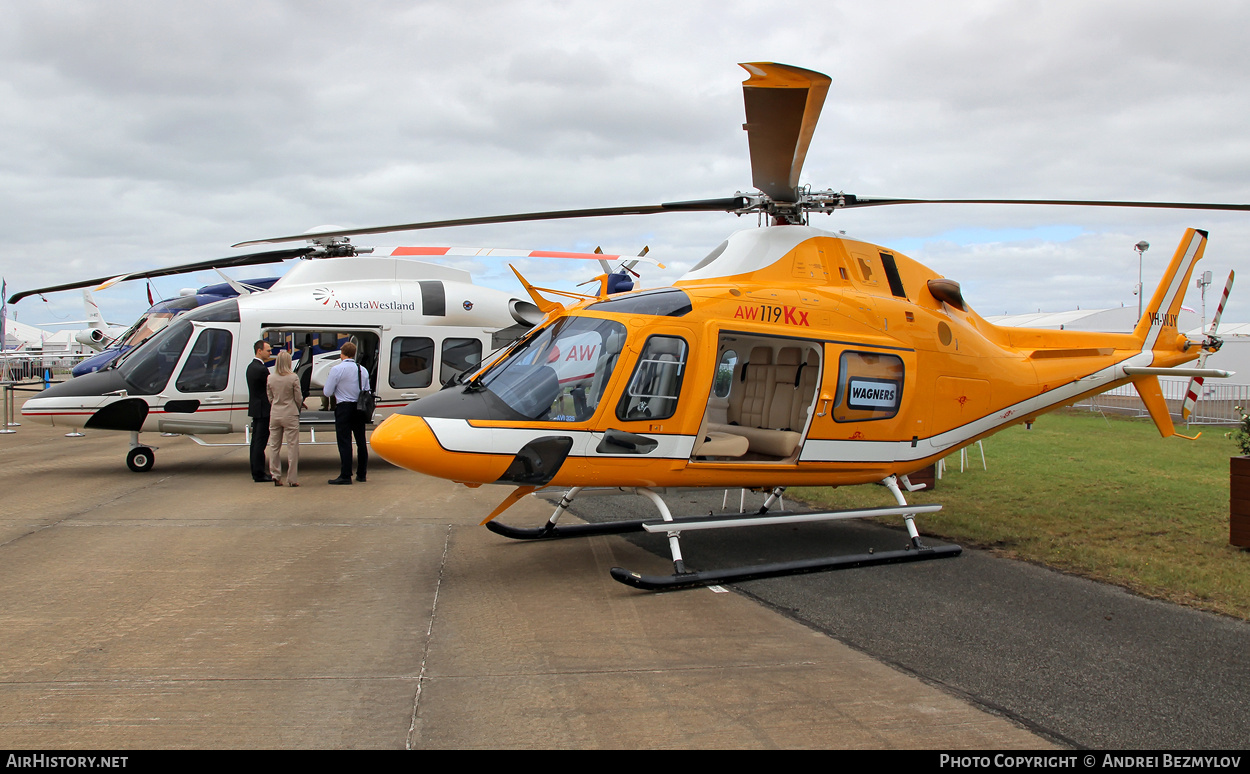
(142, 134)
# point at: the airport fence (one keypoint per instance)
(1218, 404)
(23, 372)
(23, 367)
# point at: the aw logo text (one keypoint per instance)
(787, 315)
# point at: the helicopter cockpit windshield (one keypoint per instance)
(155, 320)
(558, 375)
(147, 368)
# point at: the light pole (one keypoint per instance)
(1140, 247)
(1203, 282)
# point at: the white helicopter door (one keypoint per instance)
(200, 398)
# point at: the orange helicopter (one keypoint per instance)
(788, 356)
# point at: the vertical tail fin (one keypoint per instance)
(1157, 327)
(94, 318)
(1151, 393)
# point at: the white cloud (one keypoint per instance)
(140, 134)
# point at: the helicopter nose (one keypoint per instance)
(408, 442)
(403, 441)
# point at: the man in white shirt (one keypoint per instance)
(344, 382)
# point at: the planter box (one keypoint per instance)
(1239, 501)
(928, 477)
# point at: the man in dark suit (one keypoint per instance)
(258, 409)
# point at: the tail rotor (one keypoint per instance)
(1210, 344)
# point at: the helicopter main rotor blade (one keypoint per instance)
(701, 205)
(865, 201)
(251, 259)
(783, 105)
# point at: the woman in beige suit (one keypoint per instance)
(285, 401)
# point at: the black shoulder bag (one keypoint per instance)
(367, 401)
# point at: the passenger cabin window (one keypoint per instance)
(870, 386)
(208, 366)
(724, 380)
(412, 362)
(653, 389)
(458, 355)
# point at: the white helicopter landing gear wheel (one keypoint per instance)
(140, 459)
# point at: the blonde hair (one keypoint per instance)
(283, 366)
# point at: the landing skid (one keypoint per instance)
(759, 571)
(550, 531)
(673, 527)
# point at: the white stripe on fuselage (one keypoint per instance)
(1174, 287)
(458, 435)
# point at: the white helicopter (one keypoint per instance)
(416, 326)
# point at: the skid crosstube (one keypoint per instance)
(551, 531)
(759, 571)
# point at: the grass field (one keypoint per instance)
(1106, 498)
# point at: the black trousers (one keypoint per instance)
(260, 439)
(348, 423)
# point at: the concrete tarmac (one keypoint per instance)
(189, 607)
(1086, 664)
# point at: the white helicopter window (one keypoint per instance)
(208, 366)
(870, 386)
(412, 362)
(653, 390)
(459, 355)
(155, 319)
(148, 368)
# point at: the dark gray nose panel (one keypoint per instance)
(94, 384)
(127, 414)
(538, 461)
(458, 402)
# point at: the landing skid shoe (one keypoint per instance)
(673, 527)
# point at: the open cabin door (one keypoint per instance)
(760, 405)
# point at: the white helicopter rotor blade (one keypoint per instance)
(438, 252)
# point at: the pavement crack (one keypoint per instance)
(634, 671)
(429, 632)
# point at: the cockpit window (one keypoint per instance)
(656, 384)
(208, 366)
(155, 319)
(147, 368)
(222, 311)
(559, 374)
(666, 302)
